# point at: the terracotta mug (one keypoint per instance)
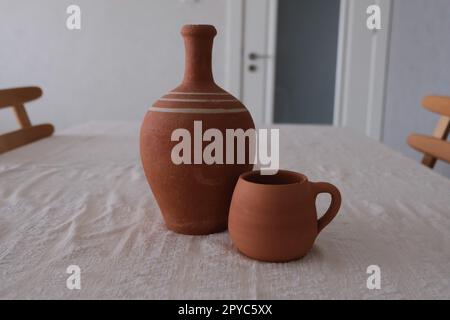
(273, 217)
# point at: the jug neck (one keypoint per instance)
(198, 42)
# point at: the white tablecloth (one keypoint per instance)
(80, 198)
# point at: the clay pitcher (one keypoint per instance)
(274, 218)
(194, 195)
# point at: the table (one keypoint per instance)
(81, 198)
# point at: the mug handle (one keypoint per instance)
(324, 187)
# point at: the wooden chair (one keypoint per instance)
(434, 147)
(28, 133)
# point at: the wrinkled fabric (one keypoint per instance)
(81, 198)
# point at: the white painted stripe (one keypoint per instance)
(197, 110)
(202, 93)
(196, 100)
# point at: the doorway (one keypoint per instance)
(258, 47)
(307, 38)
(289, 60)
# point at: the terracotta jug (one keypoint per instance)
(194, 198)
(274, 218)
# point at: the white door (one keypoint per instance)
(360, 62)
(258, 58)
(362, 67)
(298, 38)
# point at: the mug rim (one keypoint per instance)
(302, 178)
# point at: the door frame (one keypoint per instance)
(345, 73)
(272, 26)
(234, 60)
(234, 47)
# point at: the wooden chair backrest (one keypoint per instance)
(435, 147)
(16, 98)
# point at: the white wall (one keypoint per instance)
(419, 64)
(127, 54)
